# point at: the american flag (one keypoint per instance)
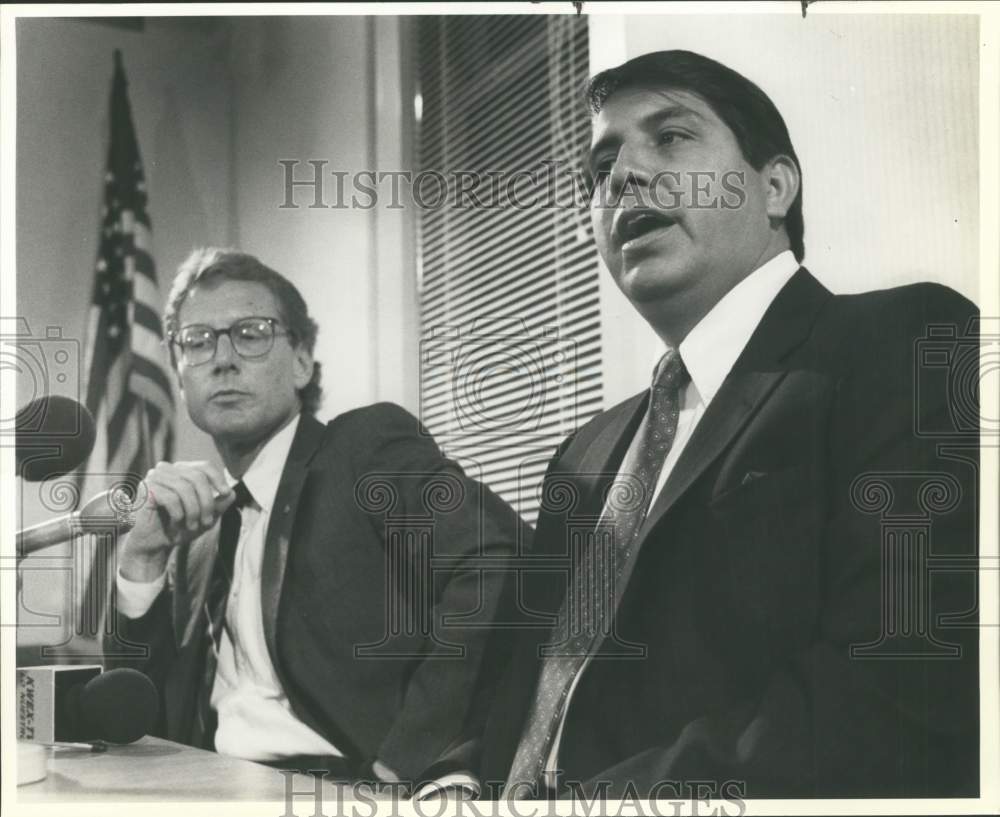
(128, 384)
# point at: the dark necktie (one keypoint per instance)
(585, 616)
(214, 609)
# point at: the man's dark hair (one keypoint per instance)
(211, 265)
(745, 109)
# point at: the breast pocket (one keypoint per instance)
(766, 489)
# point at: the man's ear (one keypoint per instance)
(782, 177)
(303, 363)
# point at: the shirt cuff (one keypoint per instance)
(455, 780)
(135, 598)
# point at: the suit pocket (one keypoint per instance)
(768, 519)
(773, 489)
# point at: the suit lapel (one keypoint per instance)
(307, 439)
(756, 373)
(604, 454)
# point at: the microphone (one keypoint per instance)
(118, 706)
(82, 704)
(53, 435)
(108, 510)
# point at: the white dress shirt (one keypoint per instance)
(709, 352)
(256, 721)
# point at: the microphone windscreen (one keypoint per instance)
(53, 436)
(118, 706)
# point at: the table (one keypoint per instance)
(157, 769)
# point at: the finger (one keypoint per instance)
(213, 474)
(205, 493)
(174, 478)
(223, 494)
(164, 502)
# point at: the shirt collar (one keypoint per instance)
(264, 473)
(712, 347)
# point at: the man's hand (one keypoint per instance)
(184, 500)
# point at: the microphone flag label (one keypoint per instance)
(40, 690)
(25, 706)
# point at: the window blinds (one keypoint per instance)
(509, 304)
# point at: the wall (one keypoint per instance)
(882, 111)
(328, 89)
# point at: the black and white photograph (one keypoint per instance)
(500, 408)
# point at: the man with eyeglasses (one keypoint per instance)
(263, 590)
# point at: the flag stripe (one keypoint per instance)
(146, 292)
(152, 391)
(116, 380)
(144, 266)
(143, 241)
(120, 431)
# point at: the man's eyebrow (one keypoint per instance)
(656, 117)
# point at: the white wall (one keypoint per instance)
(882, 111)
(328, 89)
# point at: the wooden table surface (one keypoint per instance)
(156, 769)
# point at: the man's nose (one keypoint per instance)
(631, 173)
(225, 355)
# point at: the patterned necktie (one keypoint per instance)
(216, 597)
(585, 618)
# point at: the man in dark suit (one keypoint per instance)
(289, 604)
(776, 591)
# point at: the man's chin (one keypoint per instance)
(228, 424)
(649, 283)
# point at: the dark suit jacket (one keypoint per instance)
(761, 566)
(328, 590)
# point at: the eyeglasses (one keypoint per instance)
(251, 337)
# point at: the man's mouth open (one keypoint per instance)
(637, 227)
